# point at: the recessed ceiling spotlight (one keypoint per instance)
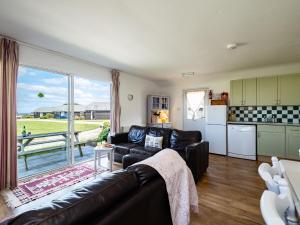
(231, 46)
(188, 74)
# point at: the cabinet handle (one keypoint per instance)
(294, 130)
(258, 134)
(279, 102)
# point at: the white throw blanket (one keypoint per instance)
(180, 184)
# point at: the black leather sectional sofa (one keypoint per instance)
(129, 147)
(135, 196)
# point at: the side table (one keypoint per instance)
(99, 152)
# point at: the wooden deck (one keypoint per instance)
(52, 160)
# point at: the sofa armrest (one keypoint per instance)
(197, 158)
(119, 138)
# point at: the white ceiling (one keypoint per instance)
(160, 39)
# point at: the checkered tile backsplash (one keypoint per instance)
(283, 114)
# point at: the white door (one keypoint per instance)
(193, 111)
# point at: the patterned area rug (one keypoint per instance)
(41, 186)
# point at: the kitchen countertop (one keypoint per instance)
(262, 123)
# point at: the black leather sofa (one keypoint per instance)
(129, 147)
(135, 196)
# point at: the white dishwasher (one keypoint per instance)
(242, 141)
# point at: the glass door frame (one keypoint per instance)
(70, 145)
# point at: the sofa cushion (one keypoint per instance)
(123, 148)
(180, 139)
(161, 132)
(149, 151)
(151, 141)
(130, 159)
(137, 135)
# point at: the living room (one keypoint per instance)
(161, 112)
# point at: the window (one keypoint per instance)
(195, 101)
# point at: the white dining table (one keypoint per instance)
(291, 171)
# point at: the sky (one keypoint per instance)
(55, 89)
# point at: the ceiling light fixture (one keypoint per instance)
(188, 74)
(231, 46)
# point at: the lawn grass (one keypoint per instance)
(43, 126)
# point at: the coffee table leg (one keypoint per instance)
(99, 162)
(111, 161)
(95, 162)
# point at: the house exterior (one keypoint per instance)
(92, 111)
(97, 111)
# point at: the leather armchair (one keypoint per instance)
(196, 157)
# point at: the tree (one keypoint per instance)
(41, 95)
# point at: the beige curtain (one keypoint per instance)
(115, 112)
(9, 62)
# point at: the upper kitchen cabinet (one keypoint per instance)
(236, 92)
(288, 89)
(267, 91)
(249, 92)
(243, 92)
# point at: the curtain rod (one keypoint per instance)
(46, 50)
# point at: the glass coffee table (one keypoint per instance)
(101, 151)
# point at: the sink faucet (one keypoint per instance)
(274, 119)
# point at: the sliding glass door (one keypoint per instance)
(42, 121)
(60, 119)
(91, 115)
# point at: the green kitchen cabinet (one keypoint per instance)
(288, 89)
(243, 92)
(271, 140)
(249, 92)
(236, 92)
(292, 142)
(267, 91)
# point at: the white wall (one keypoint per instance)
(132, 112)
(44, 59)
(135, 111)
(218, 83)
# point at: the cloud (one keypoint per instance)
(55, 92)
(85, 84)
(56, 81)
(43, 88)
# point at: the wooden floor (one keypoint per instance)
(229, 193)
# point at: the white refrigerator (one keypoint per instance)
(215, 128)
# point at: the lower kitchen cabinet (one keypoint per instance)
(292, 142)
(271, 140)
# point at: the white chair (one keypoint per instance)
(273, 208)
(284, 189)
(267, 173)
(279, 186)
(276, 166)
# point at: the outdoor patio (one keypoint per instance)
(52, 160)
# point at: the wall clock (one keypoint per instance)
(130, 97)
